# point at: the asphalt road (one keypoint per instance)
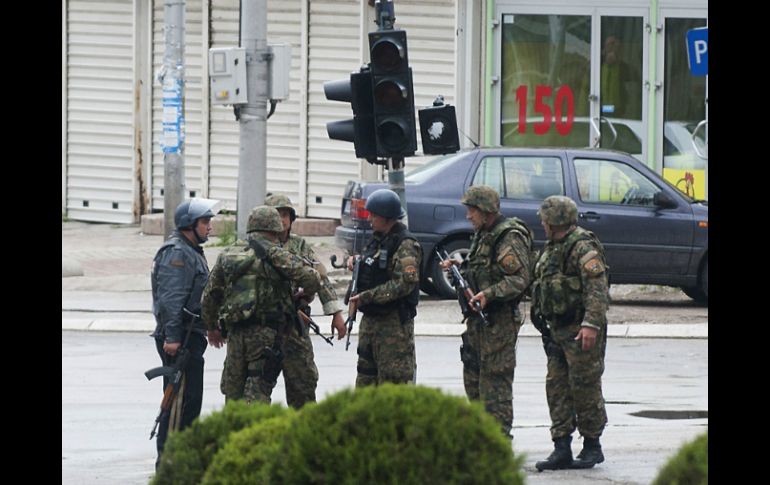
(108, 407)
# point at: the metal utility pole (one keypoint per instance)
(171, 78)
(252, 158)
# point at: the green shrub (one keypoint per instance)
(690, 466)
(399, 434)
(242, 459)
(188, 453)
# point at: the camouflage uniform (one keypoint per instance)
(300, 373)
(499, 265)
(251, 298)
(571, 291)
(386, 336)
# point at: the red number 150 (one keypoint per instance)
(564, 94)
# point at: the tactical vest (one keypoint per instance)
(254, 291)
(374, 271)
(558, 290)
(482, 258)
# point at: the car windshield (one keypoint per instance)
(425, 172)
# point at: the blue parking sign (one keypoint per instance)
(698, 51)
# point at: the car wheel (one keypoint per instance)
(426, 286)
(693, 292)
(704, 280)
(443, 286)
(700, 293)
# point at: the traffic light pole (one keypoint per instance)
(396, 183)
(252, 157)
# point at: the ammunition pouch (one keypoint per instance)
(368, 357)
(271, 364)
(467, 355)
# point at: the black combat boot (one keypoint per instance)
(590, 455)
(560, 458)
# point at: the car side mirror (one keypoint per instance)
(663, 201)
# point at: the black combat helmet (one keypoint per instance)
(385, 203)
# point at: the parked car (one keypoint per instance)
(652, 232)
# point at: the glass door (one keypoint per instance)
(546, 80)
(619, 112)
(684, 114)
(573, 80)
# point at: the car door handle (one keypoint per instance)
(589, 216)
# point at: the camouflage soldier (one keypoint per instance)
(388, 293)
(570, 300)
(498, 270)
(249, 295)
(300, 373)
(179, 273)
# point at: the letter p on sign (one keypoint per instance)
(697, 51)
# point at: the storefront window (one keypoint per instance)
(620, 98)
(546, 67)
(684, 107)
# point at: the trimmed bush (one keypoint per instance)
(188, 453)
(398, 434)
(690, 466)
(242, 459)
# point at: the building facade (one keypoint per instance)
(569, 73)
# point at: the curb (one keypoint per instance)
(620, 330)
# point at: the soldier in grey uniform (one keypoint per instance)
(300, 373)
(388, 293)
(498, 270)
(178, 276)
(570, 300)
(249, 294)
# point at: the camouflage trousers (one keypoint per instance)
(385, 350)
(250, 371)
(489, 359)
(573, 385)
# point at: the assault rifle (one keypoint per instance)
(352, 291)
(314, 326)
(174, 373)
(549, 345)
(464, 291)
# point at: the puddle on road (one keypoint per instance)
(664, 414)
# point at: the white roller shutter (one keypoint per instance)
(283, 133)
(431, 28)
(192, 104)
(334, 53)
(334, 42)
(100, 172)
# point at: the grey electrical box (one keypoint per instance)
(227, 74)
(279, 67)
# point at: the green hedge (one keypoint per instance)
(690, 466)
(242, 460)
(188, 453)
(398, 434)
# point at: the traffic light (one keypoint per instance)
(357, 90)
(438, 128)
(392, 94)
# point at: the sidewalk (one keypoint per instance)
(106, 287)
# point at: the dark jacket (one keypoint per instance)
(179, 274)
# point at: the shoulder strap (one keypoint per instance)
(575, 238)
